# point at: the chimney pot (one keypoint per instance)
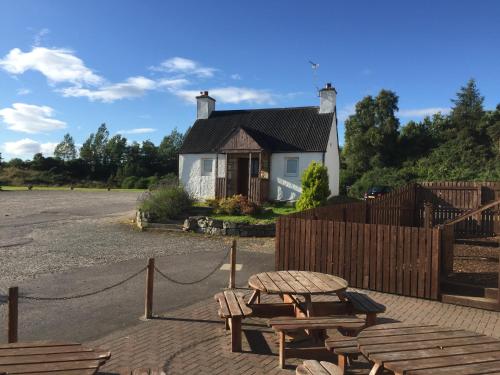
(205, 93)
(328, 85)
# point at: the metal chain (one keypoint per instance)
(35, 298)
(219, 265)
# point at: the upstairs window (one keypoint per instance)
(291, 167)
(207, 167)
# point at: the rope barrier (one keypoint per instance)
(35, 298)
(172, 280)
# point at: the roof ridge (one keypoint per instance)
(267, 109)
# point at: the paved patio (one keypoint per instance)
(192, 340)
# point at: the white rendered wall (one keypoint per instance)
(190, 175)
(332, 160)
(285, 188)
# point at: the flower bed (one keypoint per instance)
(207, 225)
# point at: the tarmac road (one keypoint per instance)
(60, 243)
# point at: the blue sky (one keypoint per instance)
(67, 66)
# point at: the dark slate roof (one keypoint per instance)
(275, 129)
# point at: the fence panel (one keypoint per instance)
(391, 259)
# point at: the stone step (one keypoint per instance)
(458, 288)
(477, 302)
(491, 293)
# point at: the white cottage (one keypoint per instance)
(260, 153)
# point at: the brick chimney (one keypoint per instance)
(327, 99)
(204, 105)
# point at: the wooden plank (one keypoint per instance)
(354, 254)
(306, 284)
(407, 261)
(463, 369)
(48, 367)
(436, 249)
(414, 338)
(422, 247)
(53, 357)
(283, 286)
(386, 258)
(37, 344)
(414, 262)
(407, 331)
(336, 248)
(428, 263)
(232, 303)
(294, 284)
(348, 252)
(429, 344)
(291, 244)
(286, 249)
(44, 350)
(373, 256)
(341, 249)
(324, 246)
(255, 283)
(366, 256)
(380, 257)
(393, 259)
(312, 261)
(307, 263)
(277, 245)
(360, 259)
(302, 244)
(330, 257)
(430, 363)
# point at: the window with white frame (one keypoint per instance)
(291, 167)
(207, 166)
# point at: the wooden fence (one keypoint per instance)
(405, 206)
(392, 259)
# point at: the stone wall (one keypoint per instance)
(207, 225)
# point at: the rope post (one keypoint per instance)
(12, 314)
(232, 261)
(150, 274)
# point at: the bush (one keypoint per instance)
(129, 182)
(315, 190)
(167, 203)
(141, 183)
(235, 205)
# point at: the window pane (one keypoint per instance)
(255, 167)
(207, 166)
(292, 166)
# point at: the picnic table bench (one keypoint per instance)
(233, 309)
(50, 357)
(284, 325)
(361, 303)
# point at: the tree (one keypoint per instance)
(93, 151)
(66, 150)
(315, 190)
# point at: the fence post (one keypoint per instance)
(428, 215)
(12, 315)
(232, 262)
(150, 275)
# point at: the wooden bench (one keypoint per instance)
(312, 367)
(284, 325)
(233, 309)
(363, 304)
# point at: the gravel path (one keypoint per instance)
(45, 232)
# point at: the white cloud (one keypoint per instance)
(137, 131)
(132, 87)
(58, 65)
(28, 118)
(231, 95)
(423, 112)
(236, 77)
(23, 91)
(185, 66)
(26, 148)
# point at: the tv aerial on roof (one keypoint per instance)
(314, 67)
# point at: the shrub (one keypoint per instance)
(235, 205)
(315, 190)
(167, 203)
(129, 182)
(141, 183)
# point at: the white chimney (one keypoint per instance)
(327, 99)
(204, 105)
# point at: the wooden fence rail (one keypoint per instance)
(393, 259)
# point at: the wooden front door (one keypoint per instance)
(242, 181)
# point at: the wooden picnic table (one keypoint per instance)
(418, 349)
(50, 357)
(290, 284)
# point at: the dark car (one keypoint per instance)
(377, 191)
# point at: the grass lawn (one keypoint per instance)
(59, 188)
(267, 217)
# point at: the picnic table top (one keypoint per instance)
(49, 356)
(297, 282)
(429, 349)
